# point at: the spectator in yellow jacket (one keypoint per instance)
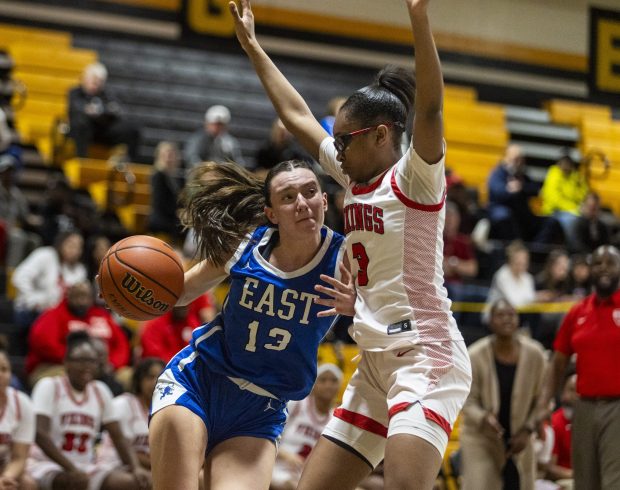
(562, 193)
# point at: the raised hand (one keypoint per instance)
(417, 5)
(244, 22)
(342, 294)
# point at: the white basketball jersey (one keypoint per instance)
(17, 423)
(134, 424)
(394, 228)
(303, 427)
(75, 418)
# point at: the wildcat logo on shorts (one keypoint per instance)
(165, 390)
(616, 317)
(138, 291)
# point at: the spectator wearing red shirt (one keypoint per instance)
(163, 337)
(561, 467)
(591, 330)
(48, 337)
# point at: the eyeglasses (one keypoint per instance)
(342, 141)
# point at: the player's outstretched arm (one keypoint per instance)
(428, 119)
(288, 103)
(199, 279)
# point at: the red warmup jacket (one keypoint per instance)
(163, 338)
(47, 339)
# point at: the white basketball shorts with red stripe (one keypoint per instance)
(416, 390)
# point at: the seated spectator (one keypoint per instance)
(509, 210)
(67, 209)
(561, 467)
(96, 248)
(306, 421)
(590, 231)
(465, 199)
(163, 337)
(96, 117)
(512, 281)
(166, 184)
(8, 145)
(499, 415)
(280, 147)
(562, 193)
(17, 429)
(15, 216)
(48, 337)
(580, 284)
(135, 406)
(553, 282)
(213, 142)
(552, 285)
(41, 278)
(459, 258)
(70, 411)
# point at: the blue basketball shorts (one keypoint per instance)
(229, 407)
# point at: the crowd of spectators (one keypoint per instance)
(531, 256)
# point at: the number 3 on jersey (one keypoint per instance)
(359, 254)
(282, 338)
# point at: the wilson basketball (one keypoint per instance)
(141, 277)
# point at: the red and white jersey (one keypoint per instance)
(17, 423)
(134, 422)
(303, 427)
(394, 228)
(75, 417)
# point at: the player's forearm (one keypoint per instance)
(288, 103)
(429, 80)
(199, 279)
(52, 452)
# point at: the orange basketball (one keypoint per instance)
(141, 277)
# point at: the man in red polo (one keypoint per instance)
(591, 330)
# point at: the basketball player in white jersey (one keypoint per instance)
(135, 408)
(414, 374)
(306, 420)
(70, 411)
(17, 427)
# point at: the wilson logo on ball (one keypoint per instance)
(138, 291)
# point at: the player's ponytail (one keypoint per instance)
(389, 99)
(222, 203)
(399, 81)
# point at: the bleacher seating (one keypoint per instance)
(47, 64)
(81, 172)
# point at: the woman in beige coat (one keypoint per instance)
(499, 415)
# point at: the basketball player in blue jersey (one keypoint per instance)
(224, 396)
(414, 373)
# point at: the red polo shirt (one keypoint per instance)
(591, 329)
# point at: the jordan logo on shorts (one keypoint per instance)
(269, 407)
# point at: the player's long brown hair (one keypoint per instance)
(222, 203)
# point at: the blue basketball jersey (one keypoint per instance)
(268, 331)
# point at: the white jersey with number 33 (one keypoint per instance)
(75, 418)
(394, 228)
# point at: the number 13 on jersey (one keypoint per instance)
(282, 338)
